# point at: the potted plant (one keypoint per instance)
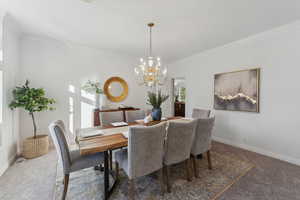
(155, 100)
(32, 100)
(94, 87)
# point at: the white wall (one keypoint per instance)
(275, 130)
(54, 65)
(10, 67)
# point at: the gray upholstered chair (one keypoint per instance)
(202, 142)
(71, 160)
(200, 113)
(61, 124)
(144, 154)
(106, 118)
(66, 132)
(178, 146)
(133, 115)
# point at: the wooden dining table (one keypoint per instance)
(110, 138)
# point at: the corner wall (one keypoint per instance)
(10, 67)
(275, 130)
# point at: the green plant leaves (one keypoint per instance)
(156, 100)
(92, 87)
(31, 99)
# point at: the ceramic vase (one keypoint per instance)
(156, 114)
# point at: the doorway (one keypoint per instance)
(179, 95)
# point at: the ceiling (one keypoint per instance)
(182, 27)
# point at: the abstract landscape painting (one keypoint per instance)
(237, 91)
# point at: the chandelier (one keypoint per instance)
(150, 71)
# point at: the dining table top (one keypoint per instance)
(109, 137)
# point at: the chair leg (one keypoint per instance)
(131, 189)
(161, 180)
(167, 168)
(209, 160)
(187, 168)
(200, 156)
(66, 183)
(117, 171)
(195, 166)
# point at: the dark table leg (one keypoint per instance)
(200, 156)
(106, 176)
(107, 172)
(110, 160)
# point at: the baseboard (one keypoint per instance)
(285, 158)
(3, 168)
(7, 165)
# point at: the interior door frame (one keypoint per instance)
(173, 92)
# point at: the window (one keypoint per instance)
(1, 55)
(87, 107)
(1, 76)
(1, 37)
(1, 103)
(71, 108)
(1, 95)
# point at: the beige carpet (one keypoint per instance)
(88, 184)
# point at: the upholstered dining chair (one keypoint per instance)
(106, 118)
(200, 113)
(144, 154)
(133, 115)
(71, 160)
(202, 142)
(178, 146)
(65, 131)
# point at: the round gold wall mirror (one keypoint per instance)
(116, 89)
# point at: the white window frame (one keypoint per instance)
(1, 103)
(1, 93)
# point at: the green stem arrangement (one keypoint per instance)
(156, 99)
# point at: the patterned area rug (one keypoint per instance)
(88, 184)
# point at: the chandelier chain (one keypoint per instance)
(150, 40)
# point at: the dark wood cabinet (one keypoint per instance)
(179, 109)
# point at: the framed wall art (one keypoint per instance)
(237, 91)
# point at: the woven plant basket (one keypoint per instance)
(35, 147)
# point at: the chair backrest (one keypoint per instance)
(202, 141)
(200, 113)
(61, 145)
(106, 118)
(145, 149)
(67, 133)
(179, 141)
(133, 115)
(62, 125)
